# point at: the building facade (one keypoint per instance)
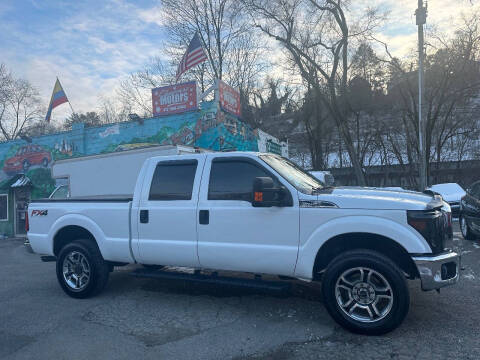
(25, 166)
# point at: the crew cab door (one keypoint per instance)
(167, 212)
(234, 235)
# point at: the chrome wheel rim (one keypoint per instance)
(364, 294)
(76, 271)
(463, 226)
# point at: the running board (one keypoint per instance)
(213, 279)
(48, 258)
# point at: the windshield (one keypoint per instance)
(302, 181)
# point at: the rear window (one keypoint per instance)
(173, 180)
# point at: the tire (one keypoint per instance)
(76, 258)
(392, 303)
(465, 229)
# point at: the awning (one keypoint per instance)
(16, 181)
(21, 182)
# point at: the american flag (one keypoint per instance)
(194, 55)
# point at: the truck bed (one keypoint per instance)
(106, 218)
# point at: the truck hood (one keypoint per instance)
(378, 198)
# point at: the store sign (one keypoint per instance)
(175, 99)
(229, 98)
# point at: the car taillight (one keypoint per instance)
(27, 225)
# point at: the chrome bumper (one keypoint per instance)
(438, 271)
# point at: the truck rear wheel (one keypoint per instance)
(365, 292)
(81, 270)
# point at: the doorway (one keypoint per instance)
(21, 198)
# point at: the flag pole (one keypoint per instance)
(68, 100)
(73, 111)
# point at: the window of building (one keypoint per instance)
(3, 207)
(233, 179)
(173, 180)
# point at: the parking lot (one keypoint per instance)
(153, 319)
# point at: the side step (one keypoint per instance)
(48, 258)
(213, 279)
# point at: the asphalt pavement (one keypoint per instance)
(160, 319)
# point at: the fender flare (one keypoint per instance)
(80, 221)
(408, 238)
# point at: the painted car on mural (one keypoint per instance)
(25, 157)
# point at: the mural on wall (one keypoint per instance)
(209, 128)
(34, 161)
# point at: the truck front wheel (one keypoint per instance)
(365, 292)
(81, 270)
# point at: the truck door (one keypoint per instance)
(234, 235)
(167, 212)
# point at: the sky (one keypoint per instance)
(91, 45)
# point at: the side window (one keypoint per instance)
(173, 180)
(233, 180)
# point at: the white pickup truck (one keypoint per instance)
(256, 213)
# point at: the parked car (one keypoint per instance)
(25, 157)
(470, 212)
(451, 193)
(259, 214)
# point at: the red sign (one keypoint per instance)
(229, 98)
(174, 99)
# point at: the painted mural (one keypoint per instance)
(209, 128)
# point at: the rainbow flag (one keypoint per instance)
(58, 97)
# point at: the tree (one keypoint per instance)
(319, 130)
(111, 111)
(231, 48)
(452, 87)
(135, 91)
(317, 35)
(264, 103)
(20, 104)
(90, 118)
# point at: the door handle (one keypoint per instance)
(204, 217)
(144, 216)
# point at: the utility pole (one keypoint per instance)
(421, 19)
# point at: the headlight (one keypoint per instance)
(432, 225)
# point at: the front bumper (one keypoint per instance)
(439, 270)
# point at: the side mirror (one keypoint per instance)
(266, 195)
